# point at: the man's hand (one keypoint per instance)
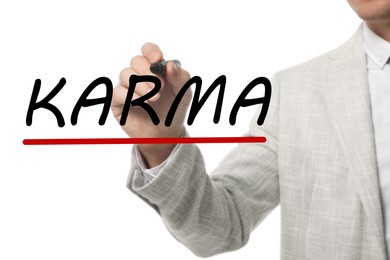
(138, 123)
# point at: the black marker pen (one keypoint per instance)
(160, 67)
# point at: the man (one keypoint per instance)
(326, 159)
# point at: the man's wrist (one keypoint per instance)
(155, 156)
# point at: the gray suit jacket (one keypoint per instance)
(318, 162)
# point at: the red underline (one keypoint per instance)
(180, 140)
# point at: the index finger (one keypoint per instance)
(152, 52)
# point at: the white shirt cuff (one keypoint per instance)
(150, 174)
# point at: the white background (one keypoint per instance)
(70, 202)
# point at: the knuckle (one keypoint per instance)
(149, 46)
(186, 75)
(124, 76)
(152, 52)
(136, 60)
(116, 96)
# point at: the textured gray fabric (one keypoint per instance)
(318, 163)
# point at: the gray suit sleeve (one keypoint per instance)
(216, 212)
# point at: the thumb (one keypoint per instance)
(176, 76)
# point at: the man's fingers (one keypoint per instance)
(124, 76)
(141, 88)
(152, 52)
(119, 96)
(118, 100)
(176, 76)
(142, 66)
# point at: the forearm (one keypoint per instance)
(195, 210)
(207, 214)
